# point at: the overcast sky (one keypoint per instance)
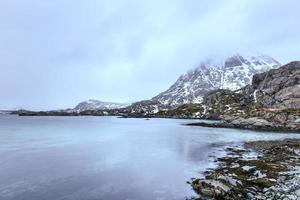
(56, 53)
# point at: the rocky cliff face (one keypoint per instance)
(186, 111)
(224, 102)
(278, 88)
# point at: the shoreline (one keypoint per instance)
(253, 123)
(255, 170)
(254, 126)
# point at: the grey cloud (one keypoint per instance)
(56, 53)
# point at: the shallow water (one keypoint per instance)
(92, 158)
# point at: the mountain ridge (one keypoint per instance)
(231, 73)
(235, 72)
(93, 104)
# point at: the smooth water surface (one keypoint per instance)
(93, 158)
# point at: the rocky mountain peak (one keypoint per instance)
(235, 60)
(233, 73)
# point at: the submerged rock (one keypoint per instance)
(210, 188)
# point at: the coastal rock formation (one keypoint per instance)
(257, 170)
(279, 88)
(146, 107)
(271, 102)
(187, 111)
(221, 103)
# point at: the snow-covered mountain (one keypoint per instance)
(233, 73)
(98, 105)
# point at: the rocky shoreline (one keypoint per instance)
(255, 170)
(255, 124)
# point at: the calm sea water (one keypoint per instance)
(93, 158)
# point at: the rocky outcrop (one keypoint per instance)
(257, 170)
(216, 104)
(221, 103)
(278, 88)
(146, 107)
(256, 123)
(186, 111)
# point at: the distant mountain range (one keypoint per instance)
(249, 93)
(98, 105)
(232, 73)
